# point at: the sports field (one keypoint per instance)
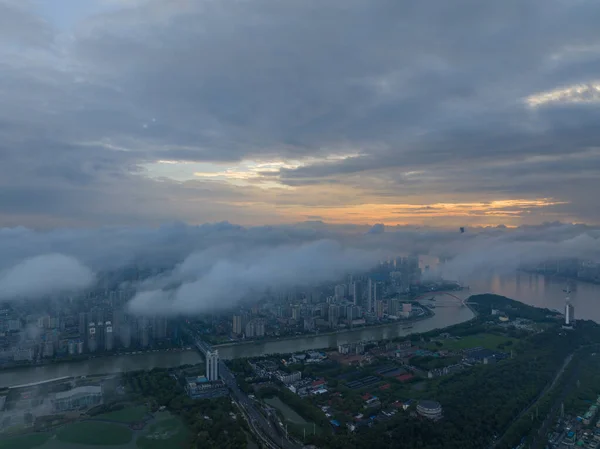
(25, 441)
(127, 415)
(489, 341)
(167, 432)
(94, 434)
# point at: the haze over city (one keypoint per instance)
(363, 129)
(299, 224)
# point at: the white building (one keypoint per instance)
(569, 314)
(288, 378)
(77, 398)
(212, 365)
(429, 409)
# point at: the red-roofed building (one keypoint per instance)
(318, 383)
(405, 377)
(384, 387)
(366, 396)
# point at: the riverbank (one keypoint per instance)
(99, 365)
(429, 314)
(87, 358)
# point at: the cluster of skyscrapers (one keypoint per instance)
(68, 327)
(371, 295)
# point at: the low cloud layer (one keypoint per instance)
(44, 275)
(214, 266)
(505, 253)
(221, 281)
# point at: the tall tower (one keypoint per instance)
(569, 309)
(212, 365)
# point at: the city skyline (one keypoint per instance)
(142, 112)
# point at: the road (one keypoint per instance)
(261, 426)
(259, 423)
(541, 395)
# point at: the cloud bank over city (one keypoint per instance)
(215, 266)
(432, 113)
(223, 281)
(44, 275)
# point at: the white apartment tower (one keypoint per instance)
(212, 365)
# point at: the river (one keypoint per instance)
(543, 291)
(536, 290)
(99, 365)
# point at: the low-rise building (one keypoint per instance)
(429, 409)
(288, 378)
(78, 397)
(201, 388)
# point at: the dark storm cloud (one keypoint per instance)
(423, 86)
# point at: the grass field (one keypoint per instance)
(489, 341)
(166, 433)
(95, 434)
(25, 441)
(126, 415)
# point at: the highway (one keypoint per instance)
(261, 426)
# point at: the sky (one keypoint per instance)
(430, 113)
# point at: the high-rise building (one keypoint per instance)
(143, 332)
(239, 324)
(92, 340)
(255, 328)
(125, 335)
(340, 292)
(295, 313)
(334, 314)
(569, 314)
(212, 365)
(352, 312)
(49, 349)
(159, 328)
(108, 336)
(356, 292)
(236, 327)
(394, 307)
(370, 296)
(569, 310)
(374, 294)
(379, 308)
(82, 324)
(309, 324)
(100, 335)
